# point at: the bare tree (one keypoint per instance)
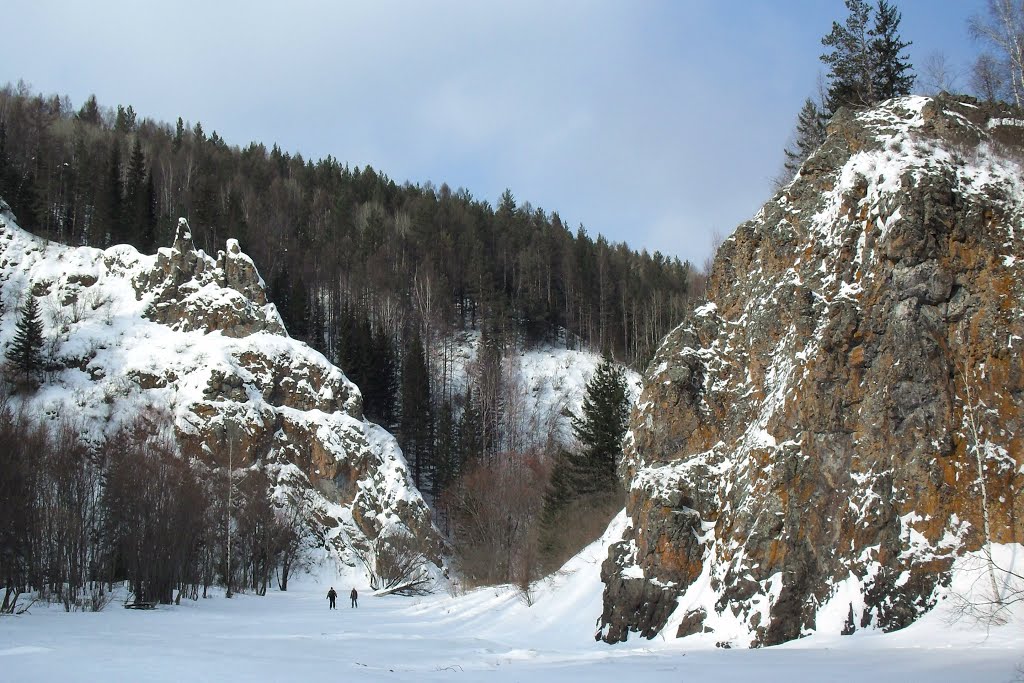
(938, 74)
(1005, 584)
(399, 566)
(988, 78)
(1002, 29)
(495, 509)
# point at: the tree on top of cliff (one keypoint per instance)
(866, 62)
(810, 133)
(893, 75)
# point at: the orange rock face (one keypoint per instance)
(823, 419)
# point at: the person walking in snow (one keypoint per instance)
(354, 597)
(332, 596)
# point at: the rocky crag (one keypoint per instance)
(193, 336)
(843, 418)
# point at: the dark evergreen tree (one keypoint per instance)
(147, 235)
(124, 121)
(90, 111)
(892, 71)
(135, 214)
(810, 133)
(26, 353)
(109, 208)
(298, 313)
(379, 374)
(416, 421)
(600, 428)
(179, 134)
(470, 432)
(281, 295)
(849, 59)
(446, 452)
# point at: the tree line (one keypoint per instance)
(79, 518)
(329, 235)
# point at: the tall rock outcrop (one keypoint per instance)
(806, 452)
(194, 337)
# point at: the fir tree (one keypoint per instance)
(891, 69)
(810, 133)
(26, 352)
(600, 429)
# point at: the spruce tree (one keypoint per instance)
(810, 133)
(135, 214)
(891, 69)
(849, 59)
(600, 428)
(26, 352)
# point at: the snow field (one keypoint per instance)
(489, 634)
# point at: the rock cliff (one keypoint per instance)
(194, 336)
(817, 443)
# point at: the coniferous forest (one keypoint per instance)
(347, 251)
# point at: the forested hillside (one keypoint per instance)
(338, 244)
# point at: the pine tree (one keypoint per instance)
(850, 60)
(26, 352)
(810, 133)
(892, 77)
(600, 429)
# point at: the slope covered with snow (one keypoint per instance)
(193, 337)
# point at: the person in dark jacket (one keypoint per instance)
(332, 596)
(354, 597)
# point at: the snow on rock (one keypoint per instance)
(805, 455)
(193, 336)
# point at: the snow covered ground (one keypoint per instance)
(488, 634)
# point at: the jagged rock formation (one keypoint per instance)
(806, 451)
(194, 336)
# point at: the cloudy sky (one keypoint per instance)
(652, 122)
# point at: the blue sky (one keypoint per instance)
(654, 123)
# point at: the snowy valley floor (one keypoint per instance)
(486, 634)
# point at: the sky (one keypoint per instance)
(658, 123)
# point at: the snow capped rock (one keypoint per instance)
(194, 336)
(815, 432)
